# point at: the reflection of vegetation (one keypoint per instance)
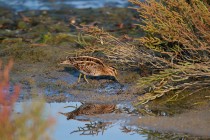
(30, 124)
(93, 128)
(155, 135)
(176, 43)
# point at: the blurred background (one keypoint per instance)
(22, 5)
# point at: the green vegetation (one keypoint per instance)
(176, 44)
(180, 41)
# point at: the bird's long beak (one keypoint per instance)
(116, 79)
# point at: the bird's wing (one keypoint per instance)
(86, 58)
(87, 67)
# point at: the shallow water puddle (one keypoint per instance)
(122, 121)
(99, 126)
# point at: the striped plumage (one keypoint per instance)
(90, 66)
(91, 109)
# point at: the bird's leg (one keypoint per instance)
(79, 77)
(85, 78)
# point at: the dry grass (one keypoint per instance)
(114, 49)
(176, 26)
(177, 42)
(180, 39)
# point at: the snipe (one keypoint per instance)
(90, 66)
(91, 109)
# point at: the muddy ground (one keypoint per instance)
(38, 41)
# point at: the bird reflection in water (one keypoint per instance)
(90, 109)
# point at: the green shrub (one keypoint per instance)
(176, 43)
